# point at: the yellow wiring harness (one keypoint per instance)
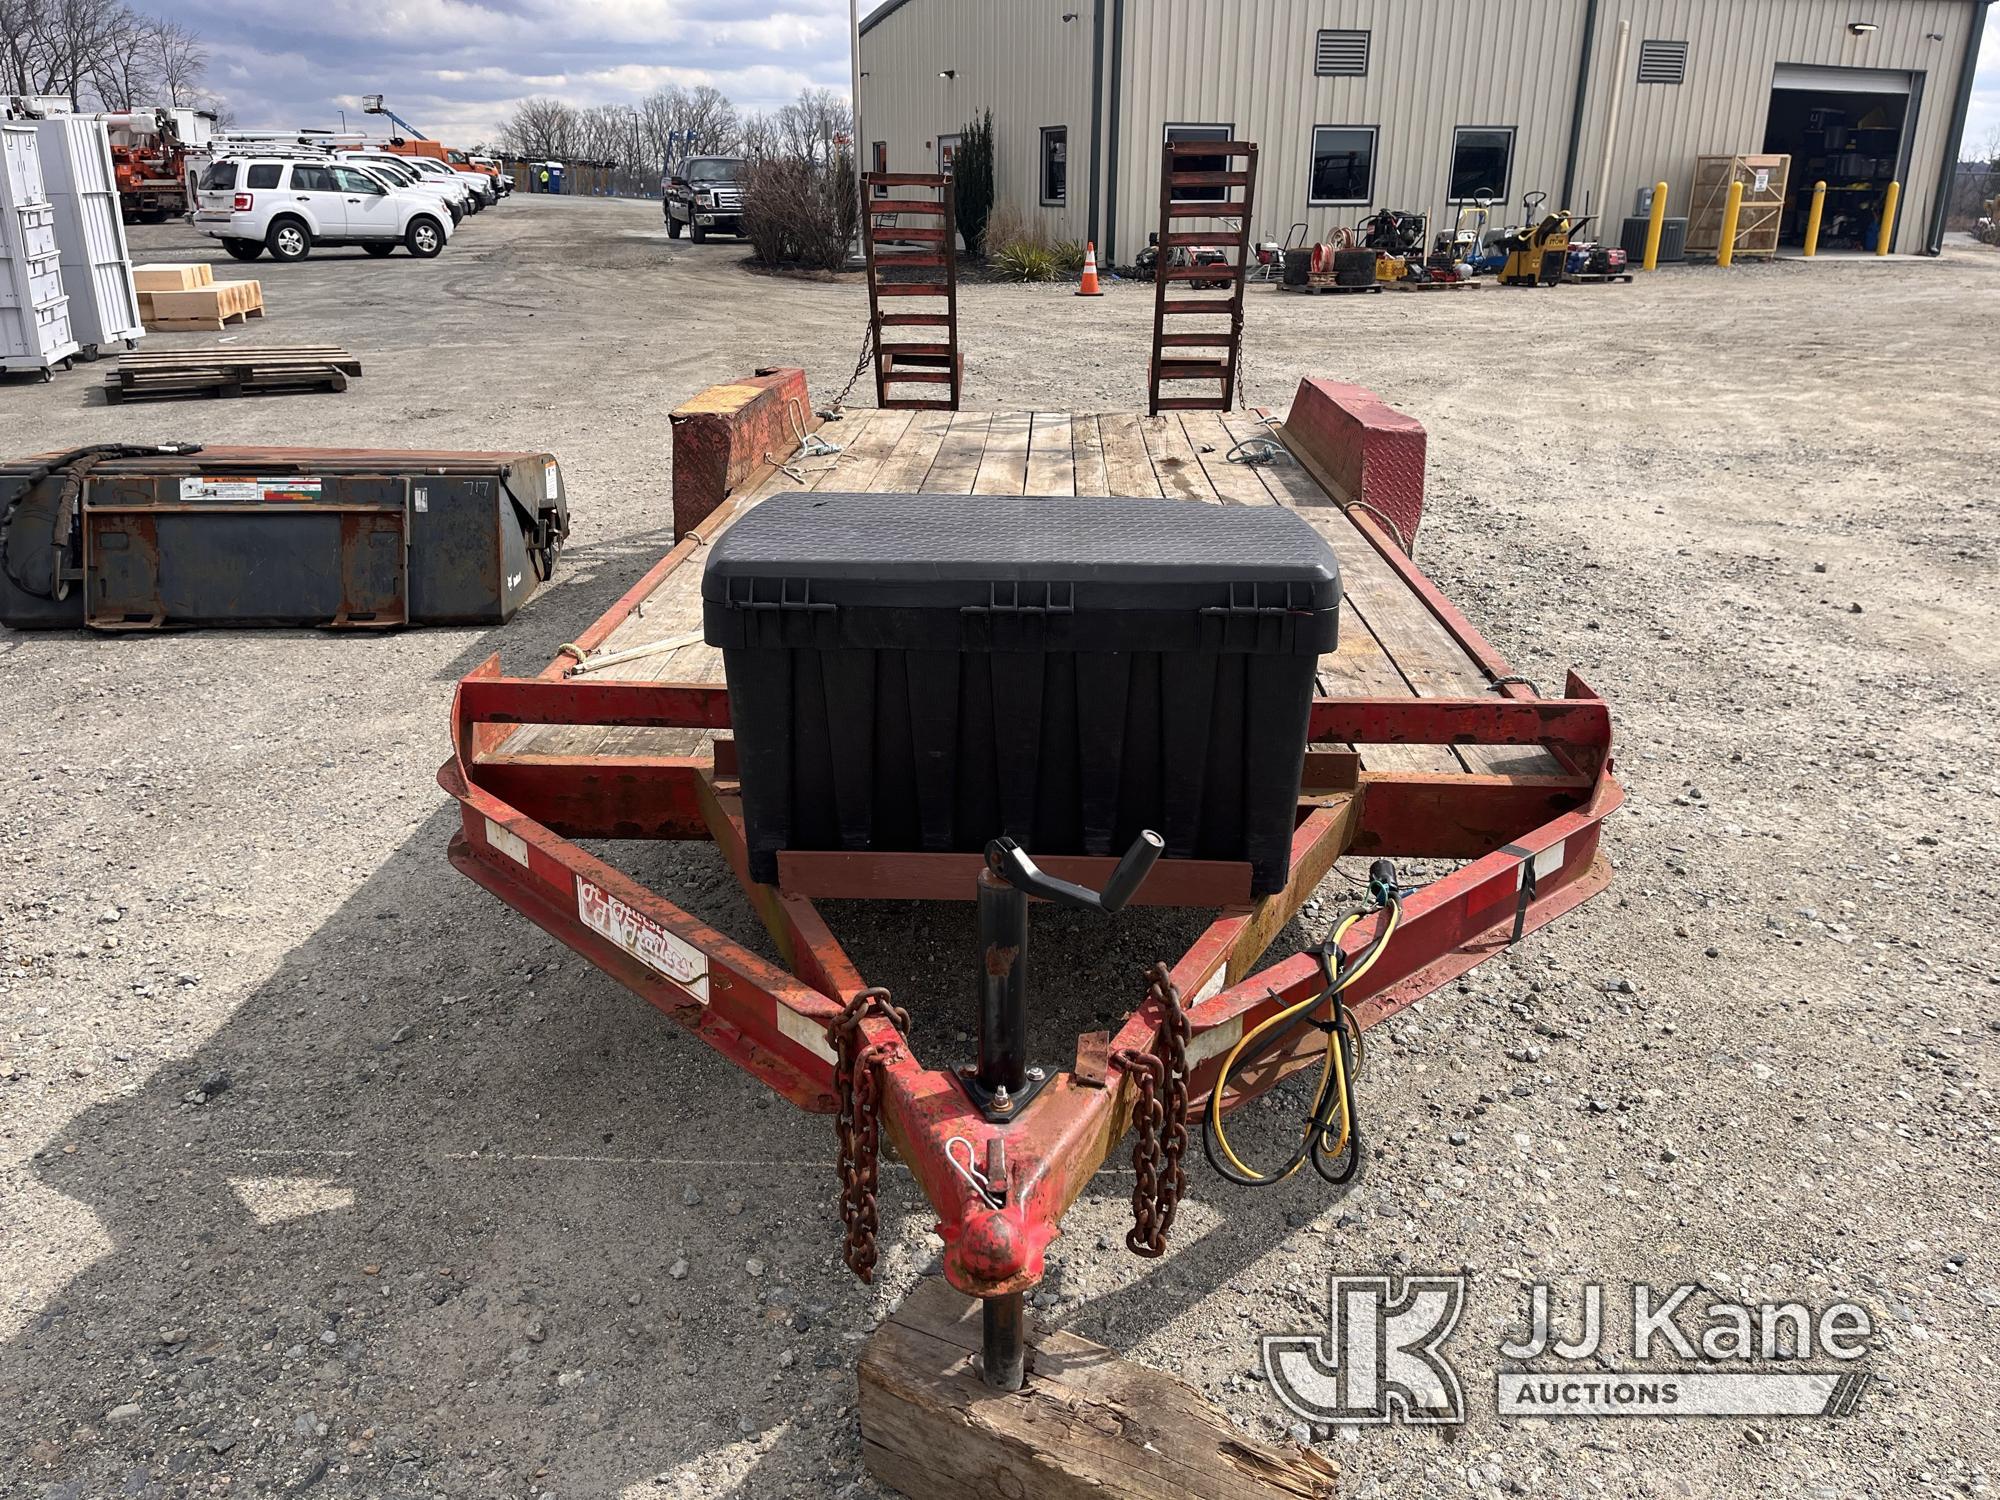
(1323, 1138)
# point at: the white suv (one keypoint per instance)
(398, 173)
(477, 187)
(289, 204)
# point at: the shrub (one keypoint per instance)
(1069, 257)
(972, 180)
(800, 213)
(1024, 260)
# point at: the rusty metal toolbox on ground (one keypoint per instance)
(908, 673)
(126, 537)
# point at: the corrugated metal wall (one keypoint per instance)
(1734, 47)
(1434, 65)
(1018, 58)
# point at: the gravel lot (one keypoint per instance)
(320, 1170)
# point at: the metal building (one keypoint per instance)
(1359, 105)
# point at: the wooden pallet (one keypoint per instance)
(209, 308)
(1329, 288)
(1434, 286)
(1176, 288)
(907, 261)
(155, 375)
(1586, 278)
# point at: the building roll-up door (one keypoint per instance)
(1840, 80)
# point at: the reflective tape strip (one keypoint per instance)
(1214, 1042)
(1547, 862)
(507, 842)
(804, 1030)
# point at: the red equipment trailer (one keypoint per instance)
(1423, 745)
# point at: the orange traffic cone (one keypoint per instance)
(1090, 288)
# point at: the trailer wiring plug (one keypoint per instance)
(1332, 1138)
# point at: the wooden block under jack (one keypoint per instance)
(1087, 1424)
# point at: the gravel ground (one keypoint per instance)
(320, 1170)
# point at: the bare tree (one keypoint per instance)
(758, 137)
(123, 73)
(541, 128)
(675, 123)
(181, 61)
(814, 126)
(99, 51)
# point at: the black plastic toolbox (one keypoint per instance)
(925, 672)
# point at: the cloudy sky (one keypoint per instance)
(454, 68)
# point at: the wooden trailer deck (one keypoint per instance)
(1391, 643)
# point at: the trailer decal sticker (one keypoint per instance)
(507, 842)
(250, 491)
(643, 938)
(807, 1032)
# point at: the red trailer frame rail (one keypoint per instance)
(1529, 842)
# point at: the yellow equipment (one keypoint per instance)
(1538, 254)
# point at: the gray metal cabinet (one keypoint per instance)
(82, 188)
(34, 312)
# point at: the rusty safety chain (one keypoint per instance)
(1160, 1123)
(858, 1124)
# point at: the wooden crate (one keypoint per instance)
(207, 308)
(173, 276)
(1763, 207)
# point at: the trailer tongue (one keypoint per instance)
(895, 737)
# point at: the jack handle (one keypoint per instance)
(1010, 862)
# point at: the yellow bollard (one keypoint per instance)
(1725, 251)
(1889, 201)
(1812, 219)
(1656, 227)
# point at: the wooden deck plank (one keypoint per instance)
(1433, 664)
(1174, 459)
(1051, 455)
(1234, 484)
(957, 463)
(1003, 468)
(916, 451)
(1087, 447)
(1128, 466)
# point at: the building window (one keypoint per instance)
(879, 152)
(1663, 62)
(1343, 164)
(1341, 54)
(1201, 163)
(1055, 164)
(1482, 158)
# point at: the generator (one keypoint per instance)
(145, 537)
(907, 674)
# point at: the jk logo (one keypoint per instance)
(1380, 1357)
